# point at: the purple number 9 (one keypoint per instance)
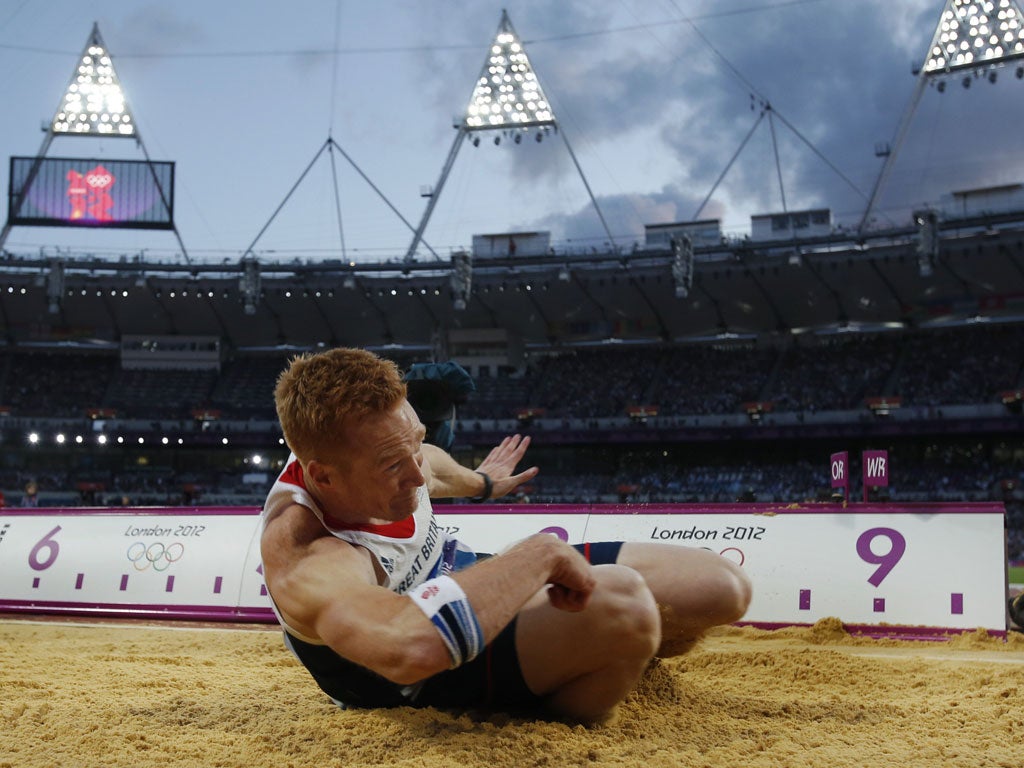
(886, 562)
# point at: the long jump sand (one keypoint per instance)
(100, 695)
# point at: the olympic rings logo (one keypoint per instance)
(156, 555)
(735, 554)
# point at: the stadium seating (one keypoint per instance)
(583, 442)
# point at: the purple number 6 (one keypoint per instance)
(886, 562)
(52, 548)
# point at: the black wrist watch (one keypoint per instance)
(488, 489)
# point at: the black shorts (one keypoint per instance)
(493, 680)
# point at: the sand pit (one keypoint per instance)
(86, 695)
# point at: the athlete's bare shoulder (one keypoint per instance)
(294, 539)
(290, 528)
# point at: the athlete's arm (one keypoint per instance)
(327, 589)
(449, 479)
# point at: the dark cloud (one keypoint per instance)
(626, 216)
(839, 79)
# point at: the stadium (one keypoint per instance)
(797, 338)
(685, 361)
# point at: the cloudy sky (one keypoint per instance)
(655, 97)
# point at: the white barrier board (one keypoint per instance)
(939, 566)
(934, 565)
(162, 561)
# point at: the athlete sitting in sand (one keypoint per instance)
(385, 610)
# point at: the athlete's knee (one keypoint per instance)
(631, 613)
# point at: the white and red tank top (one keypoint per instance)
(409, 551)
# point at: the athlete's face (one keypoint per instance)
(382, 469)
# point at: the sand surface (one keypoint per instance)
(128, 695)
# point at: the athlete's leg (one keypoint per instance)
(695, 589)
(586, 662)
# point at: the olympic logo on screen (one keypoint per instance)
(156, 555)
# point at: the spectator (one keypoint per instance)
(31, 497)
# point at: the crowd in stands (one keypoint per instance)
(836, 375)
(928, 368)
(969, 365)
(729, 376)
(963, 366)
(52, 384)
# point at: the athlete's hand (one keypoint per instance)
(501, 463)
(571, 582)
(565, 599)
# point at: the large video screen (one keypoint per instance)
(81, 192)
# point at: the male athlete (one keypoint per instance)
(385, 610)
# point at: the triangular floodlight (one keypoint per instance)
(507, 97)
(973, 35)
(507, 93)
(93, 103)
(976, 33)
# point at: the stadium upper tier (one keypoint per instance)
(903, 277)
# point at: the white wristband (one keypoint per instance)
(445, 604)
